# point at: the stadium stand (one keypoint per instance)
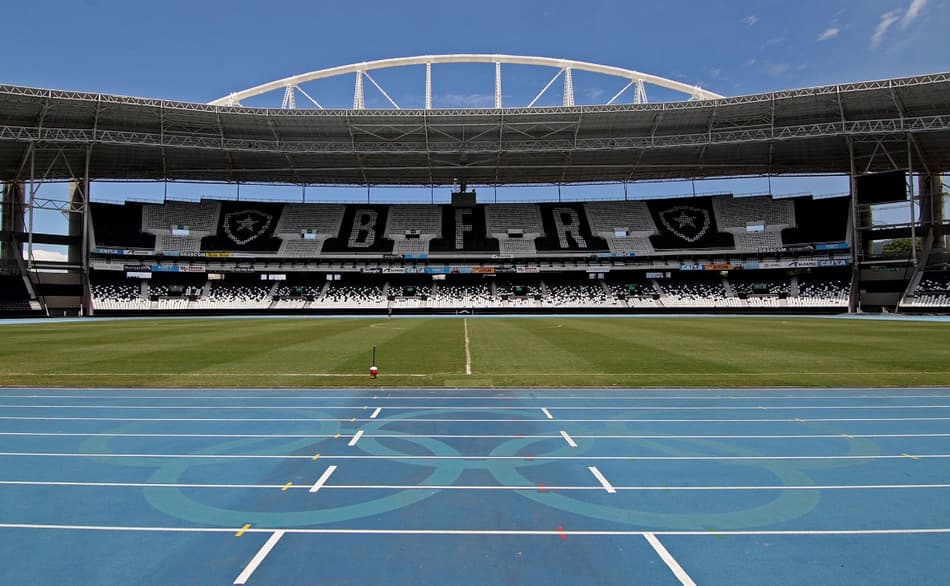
(412, 227)
(515, 226)
(577, 291)
(932, 291)
(352, 292)
(304, 228)
(670, 254)
(697, 290)
(828, 289)
(179, 226)
(460, 292)
(14, 297)
(626, 226)
(120, 226)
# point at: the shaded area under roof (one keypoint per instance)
(804, 131)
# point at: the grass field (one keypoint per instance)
(642, 352)
(574, 352)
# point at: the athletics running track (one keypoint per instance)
(351, 486)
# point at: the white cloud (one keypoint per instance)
(913, 11)
(593, 93)
(778, 69)
(49, 255)
(887, 21)
(752, 19)
(465, 100)
(715, 72)
(829, 33)
(752, 61)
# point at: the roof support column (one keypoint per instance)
(428, 86)
(11, 214)
(931, 206)
(912, 201)
(358, 100)
(854, 233)
(568, 87)
(497, 84)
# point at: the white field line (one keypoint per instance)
(612, 408)
(468, 352)
(554, 533)
(323, 478)
(356, 438)
(376, 413)
(547, 413)
(473, 457)
(835, 436)
(473, 420)
(259, 557)
(669, 560)
(600, 478)
(570, 441)
(658, 488)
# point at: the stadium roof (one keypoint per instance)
(803, 131)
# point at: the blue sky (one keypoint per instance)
(202, 50)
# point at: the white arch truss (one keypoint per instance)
(564, 70)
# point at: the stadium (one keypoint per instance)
(582, 388)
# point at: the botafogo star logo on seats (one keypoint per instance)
(246, 225)
(686, 222)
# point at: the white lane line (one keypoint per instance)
(570, 441)
(600, 478)
(468, 352)
(690, 488)
(323, 479)
(474, 420)
(611, 408)
(555, 532)
(259, 557)
(356, 438)
(832, 436)
(546, 413)
(669, 560)
(376, 413)
(483, 398)
(471, 457)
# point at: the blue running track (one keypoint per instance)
(356, 486)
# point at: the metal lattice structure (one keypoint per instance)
(633, 80)
(878, 125)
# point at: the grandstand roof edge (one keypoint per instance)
(49, 93)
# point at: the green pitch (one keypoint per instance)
(571, 352)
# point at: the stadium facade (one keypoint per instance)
(891, 137)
